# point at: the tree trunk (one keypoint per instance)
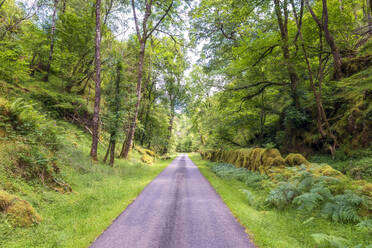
(331, 42)
(107, 152)
(97, 99)
(323, 25)
(129, 140)
(283, 27)
(52, 34)
(170, 130)
(369, 18)
(112, 153)
(64, 6)
(317, 93)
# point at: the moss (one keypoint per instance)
(150, 153)
(295, 159)
(22, 214)
(326, 170)
(367, 189)
(139, 149)
(19, 212)
(5, 200)
(255, 159)
(272, 157)
(147, 159)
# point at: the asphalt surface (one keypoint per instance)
(178, 209)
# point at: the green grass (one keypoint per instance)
(100, 194)
(273, 228)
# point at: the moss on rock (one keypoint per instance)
(19, 212)
(295, 159)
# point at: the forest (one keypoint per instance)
(272, 100)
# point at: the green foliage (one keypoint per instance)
(25, 120)
(365, 225)
(250, 197)
(282, 197)
(295, 118)
(61, 105)
(313, 199)
(343, 208)
(13, 68)
(311, 194)
(250, 178)
(329, 241)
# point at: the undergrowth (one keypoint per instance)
(293, 225)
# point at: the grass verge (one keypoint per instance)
(273, 228)
(100, 194)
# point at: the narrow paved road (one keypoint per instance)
(178, 209)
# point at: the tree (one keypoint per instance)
(52, 36)
(142, 35)
(323, 25)
(97, 99)
(115, 109)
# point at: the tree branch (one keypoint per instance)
(160, 20)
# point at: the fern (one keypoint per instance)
(250, 197)
(228, 171)
(282, 196)
(343, 208)
(314, 199)
(365, 225)
(329, 241)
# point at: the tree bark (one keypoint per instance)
(369, 18)
(142, 39)
(283, 27)
(132, 127)
(97, 99)
(107, 152)
(317, 93)
(112, 153)
(64, 6)
(52, 35)
(323, 25)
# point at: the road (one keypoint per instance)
(178, 209)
